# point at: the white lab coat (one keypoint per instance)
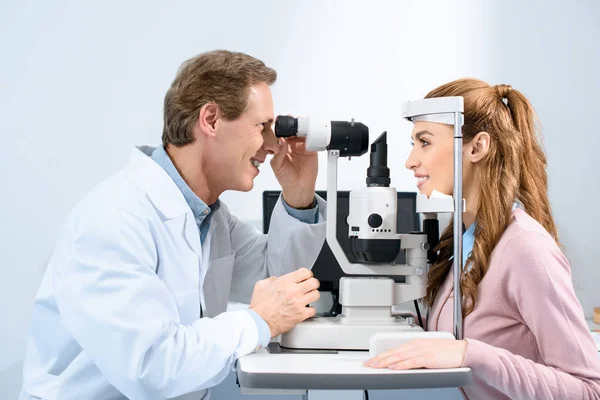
(117, 313)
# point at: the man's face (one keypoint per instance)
(244, 142)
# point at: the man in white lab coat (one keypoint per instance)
(133, 302)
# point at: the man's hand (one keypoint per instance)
(281, 301)
(296, 170)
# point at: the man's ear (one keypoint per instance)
(208, 119)
(479, 147)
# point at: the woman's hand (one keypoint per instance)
(422, 353)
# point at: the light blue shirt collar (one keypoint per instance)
(467, 244)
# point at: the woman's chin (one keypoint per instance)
(425, 191)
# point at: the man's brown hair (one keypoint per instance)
(221, 77)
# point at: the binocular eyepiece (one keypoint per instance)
(286, 126)
(350, 138)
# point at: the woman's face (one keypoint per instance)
(431, 158)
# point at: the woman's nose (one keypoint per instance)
(412, 161)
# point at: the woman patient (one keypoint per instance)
(526, 336)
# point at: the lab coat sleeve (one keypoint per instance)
(126, 320)
(309, 216)
(291, 244)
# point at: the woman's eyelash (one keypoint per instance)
(422, 141)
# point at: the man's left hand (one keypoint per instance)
(296, 170)
(422, 353)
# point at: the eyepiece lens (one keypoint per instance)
(286, 126)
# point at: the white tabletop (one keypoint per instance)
(343, 370)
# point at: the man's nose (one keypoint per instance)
(270, 141)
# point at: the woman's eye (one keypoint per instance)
(421, 141)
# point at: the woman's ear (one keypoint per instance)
(479, 147)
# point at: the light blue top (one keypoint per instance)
(468, 241)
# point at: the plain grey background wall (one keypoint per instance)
(81, 83)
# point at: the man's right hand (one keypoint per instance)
(281, 301)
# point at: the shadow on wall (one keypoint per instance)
(11, 377)
(11, 381)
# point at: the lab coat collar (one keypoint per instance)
(161, 190)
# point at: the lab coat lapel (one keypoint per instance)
(206, 247)
(158, 185)
(192, 235)
(205, 264)
(164, 194)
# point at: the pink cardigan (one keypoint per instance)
(527, 337)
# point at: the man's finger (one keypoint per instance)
(296, 139)
(279, 158)
(300, 275)
(311, 297)
(309, 312)
(309, 285)
(298, 144)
